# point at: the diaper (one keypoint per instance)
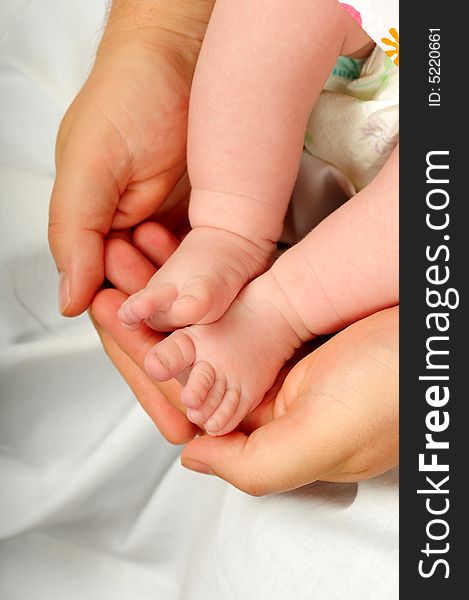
(354, 125)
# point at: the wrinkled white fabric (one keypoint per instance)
(93, 502)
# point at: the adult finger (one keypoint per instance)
(135, 344)
(125, 266)
(170, 421)
(155, 242)
(84, 199)
(129, 266)
(129, 270)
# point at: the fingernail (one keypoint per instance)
(64, 293)
(211, 426)
(195, 465)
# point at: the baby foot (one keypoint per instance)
(233, 361)
(198, 282)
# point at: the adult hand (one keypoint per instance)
(121, 147)
(129, 270)
(334, 417)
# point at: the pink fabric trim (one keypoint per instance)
(353, 12)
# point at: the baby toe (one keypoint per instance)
(162, 297)
(134, 310)
(210, 404)
(201, 379)
(216, 424)
(170, 356)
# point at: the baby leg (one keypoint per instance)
(344, 270)
(258, 75)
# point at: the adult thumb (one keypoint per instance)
(83, 202)
(279, 456)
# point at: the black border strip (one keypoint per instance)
(428, 256)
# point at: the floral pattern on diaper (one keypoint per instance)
(384, 141)
(393, 53)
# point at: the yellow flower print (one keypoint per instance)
(393, 53)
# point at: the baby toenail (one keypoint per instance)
(163, 362)
(211, 426)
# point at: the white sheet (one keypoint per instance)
(93, 502)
